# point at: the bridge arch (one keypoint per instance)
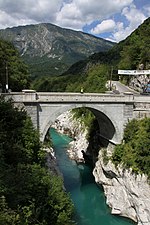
(112, 111)
(108, 123)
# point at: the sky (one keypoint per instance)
(112, 20)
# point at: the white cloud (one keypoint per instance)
(66, 13)
(70, 17)
(134, 17)
(77, 13)
(27, 11)
(12, 20)
(147, 10)
(104, 26)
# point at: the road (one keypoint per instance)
(121, 88)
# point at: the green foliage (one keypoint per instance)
(23, 145)
(130, 131)
(29, 192)
(93, 81)
(60, 49)
(90, 73)
(96, 79)
(105, 156)
(136, 48)
(134, 152)
(129, 53)
(85, 116)
(7, 215)
(18, 76)
(93, 72)
(87, 119)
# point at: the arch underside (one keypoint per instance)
(108, 128)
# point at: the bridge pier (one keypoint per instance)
(33, 111)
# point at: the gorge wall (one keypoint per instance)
(127, 194)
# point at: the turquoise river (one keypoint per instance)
(87, 196)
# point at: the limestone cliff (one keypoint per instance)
(51, 161)
(127, 194)
(67, 125)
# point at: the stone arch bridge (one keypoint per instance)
(112, 111)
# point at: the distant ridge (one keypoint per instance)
(50, 49)
(127, 54)
(93, 72)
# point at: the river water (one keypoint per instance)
(88, 198)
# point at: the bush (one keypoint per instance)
(29, 192)
(134, 152)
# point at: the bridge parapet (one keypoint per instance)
(77, 97)
(141, 106)
(68, 97)
(142, 98)
(20, 96)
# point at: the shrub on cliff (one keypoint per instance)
(134, 152)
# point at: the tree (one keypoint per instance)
(29, 192)
(134, 152)
(12, 66)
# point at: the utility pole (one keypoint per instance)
(6, 68)
(111, 78)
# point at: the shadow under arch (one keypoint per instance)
(107, 129)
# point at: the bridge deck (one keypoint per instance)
(75, 97)
(68, 97)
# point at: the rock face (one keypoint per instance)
(51, 161)
(127, 194)
(138, 82)
(65, 124)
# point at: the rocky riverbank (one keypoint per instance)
(65, 124)
(127, 194)
(51, 160)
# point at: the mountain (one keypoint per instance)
(130, 53)
(92, 73)
(51, 50)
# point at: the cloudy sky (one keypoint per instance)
(110, 19)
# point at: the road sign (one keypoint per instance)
(134, 72)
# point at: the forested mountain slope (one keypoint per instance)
(49, 49)
(127, 54)
(93, 72)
